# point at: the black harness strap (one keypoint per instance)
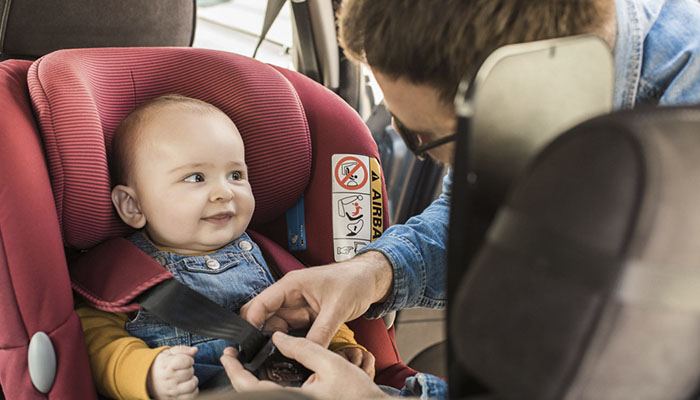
(185, 308)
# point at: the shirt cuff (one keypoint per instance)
(425, 387)
(408, 268)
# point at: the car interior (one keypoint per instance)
(549, 180)
(104, 83)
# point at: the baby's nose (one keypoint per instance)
(221, 193)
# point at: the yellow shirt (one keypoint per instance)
(120, 362)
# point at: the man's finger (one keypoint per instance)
(230, 351)
(242, 379)
(260, 307)
(324, 327)
(295, 318)
(308, 353)
(275, 324)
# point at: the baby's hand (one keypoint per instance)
(362, 358)
(172, 374)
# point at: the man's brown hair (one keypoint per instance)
(127, 137)
(437, 42)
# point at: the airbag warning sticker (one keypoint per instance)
(357, 203)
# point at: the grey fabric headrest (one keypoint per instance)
(32, 28)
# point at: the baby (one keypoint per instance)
(181, 180)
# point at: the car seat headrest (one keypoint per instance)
(80, 97)
(33, 28)
(588, 284)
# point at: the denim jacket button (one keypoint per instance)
(212, 263)
(245, 245)
(161, 260)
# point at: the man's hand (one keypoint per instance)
(172, 374)
(333, 378)
(359, 357)
(328, 295)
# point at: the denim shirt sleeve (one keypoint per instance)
(425, 387)
(670, 72)
(418, 256)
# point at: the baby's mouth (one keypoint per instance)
(219, 217)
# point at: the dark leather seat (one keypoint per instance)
(587, 285)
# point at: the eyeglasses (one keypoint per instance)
(415, 143)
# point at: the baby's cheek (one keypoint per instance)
(248, 204)
(174, 228)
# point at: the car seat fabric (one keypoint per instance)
(291, 126)
(588, 286)
(80, 96)
(35, 290)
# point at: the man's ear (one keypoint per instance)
(127, 205)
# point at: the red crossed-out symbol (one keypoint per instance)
(347, 181)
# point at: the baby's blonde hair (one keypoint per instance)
(127, 137)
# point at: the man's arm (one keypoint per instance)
(332, 294)
(671, 57)
(417, 253)
(327, 296)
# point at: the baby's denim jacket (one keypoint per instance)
(230, 276)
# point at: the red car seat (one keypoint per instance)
(291, 127)
(35, 293)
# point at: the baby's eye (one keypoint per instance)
(195, 178)
(235, 176)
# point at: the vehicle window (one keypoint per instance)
(235, 26)
(376, 92)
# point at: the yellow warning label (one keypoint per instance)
(377, 203)
(357, 206)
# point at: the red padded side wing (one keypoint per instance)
(35, 293)
(113, 273)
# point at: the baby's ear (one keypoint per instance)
(127, 205)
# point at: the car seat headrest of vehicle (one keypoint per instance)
(33, 28)
(588, 285)
(80, 97)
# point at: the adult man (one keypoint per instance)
(418, 52)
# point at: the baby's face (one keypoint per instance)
(192, 181)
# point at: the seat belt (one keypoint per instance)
(271, 12)
(4, 14)
(307, 60)
(205, 317)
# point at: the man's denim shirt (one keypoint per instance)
(657, 62)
